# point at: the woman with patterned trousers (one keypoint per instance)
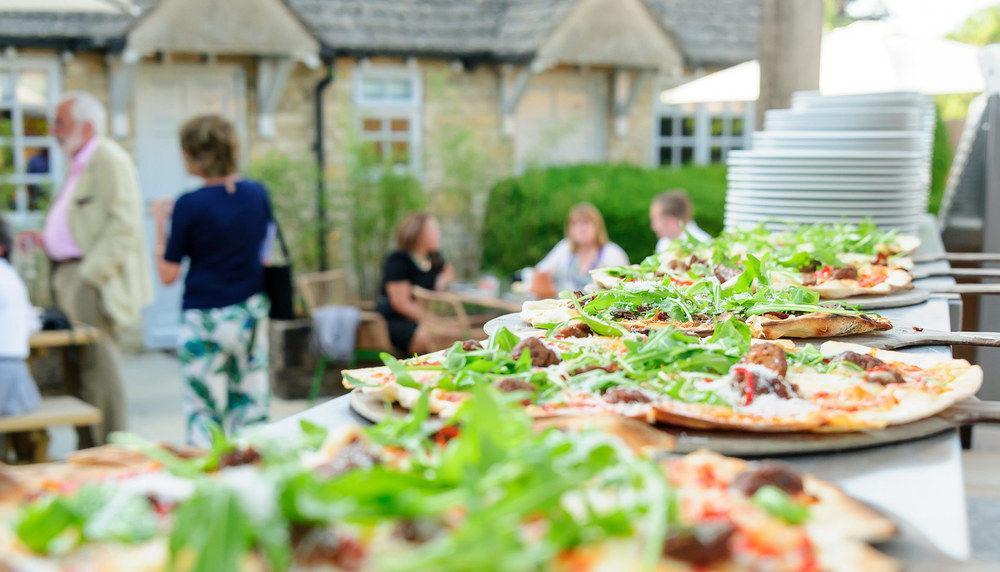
(222, 229)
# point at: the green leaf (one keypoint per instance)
(44, 521)
(315, 435)
(403, 376)
(504, 340)
(211, 532)
(777, 503)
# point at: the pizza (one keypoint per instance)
(771, 312)
(477, 494)
(835, 261)
(725, 381)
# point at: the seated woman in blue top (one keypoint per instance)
(416, 262)
(222, 230)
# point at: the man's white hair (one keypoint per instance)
(87, 109)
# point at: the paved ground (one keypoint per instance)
(153, 389)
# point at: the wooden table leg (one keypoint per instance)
(73, 382)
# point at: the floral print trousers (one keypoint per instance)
(223, 354)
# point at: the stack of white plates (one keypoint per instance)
(836, 159)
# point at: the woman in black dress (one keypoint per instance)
(416, 262)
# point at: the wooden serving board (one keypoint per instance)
(752, 445)
(896, 338)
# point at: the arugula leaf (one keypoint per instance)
(315, 435)
(504, 340)
(777, 503)
(95, 512)
(403, 376)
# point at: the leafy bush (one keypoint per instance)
(525, 215)
(292, 185)
(940, 163)
(372, 198)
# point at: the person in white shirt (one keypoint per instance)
(670, 216)
(586, 247)
(18, 392)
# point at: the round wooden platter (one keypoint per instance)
(753, 445)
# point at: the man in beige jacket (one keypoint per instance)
(94, 237)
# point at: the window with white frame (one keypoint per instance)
(388, 101)
(702, 133)
(30, 162)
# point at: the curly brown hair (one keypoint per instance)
(210, 145)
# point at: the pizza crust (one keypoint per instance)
(696, 416)
(544, 312)
(896, 279)
(816, 325)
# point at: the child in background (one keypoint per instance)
(670, 216)
(18, 392)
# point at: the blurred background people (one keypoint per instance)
(222, 229)
(586, 247)
(18, 392)
(94, 236)
(670, 216)
(415, 262)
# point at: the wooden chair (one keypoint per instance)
(319, 289)
(322, 288)
(445, 318)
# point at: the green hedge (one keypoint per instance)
(525, 215)
(940, 163)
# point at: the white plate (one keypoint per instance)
(832, 195)
(824, 186)
(751, 218)
(779, 209)
(836, 178)
(821, 201)
(822, 154)
(839, 170)
(781, 163)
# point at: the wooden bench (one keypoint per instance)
(54, 411)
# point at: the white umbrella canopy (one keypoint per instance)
(92, 6)
(864, 57)
(867, 57)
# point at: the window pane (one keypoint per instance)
(666, 126)
(687, 126)
(8, 196)
(36, 124)
(399, 89)
(399, 125)
(371, 125)
(6, 160)
(717, 126)
(374, 151)
(737, 127)
(6, 125)
(33, 88)
(400, 153)
(666, 155)
(37, 159)
(716, 154)
(687, 155)
(6, 88)
(373, 88)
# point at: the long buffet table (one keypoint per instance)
(918, 483)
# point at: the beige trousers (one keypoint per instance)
(100, 382)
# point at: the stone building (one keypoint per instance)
(539, 81)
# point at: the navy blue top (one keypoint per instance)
(222, 234)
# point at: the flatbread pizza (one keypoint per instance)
(725, 381)
(771, 311)
(478, 494)
(834, 261)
